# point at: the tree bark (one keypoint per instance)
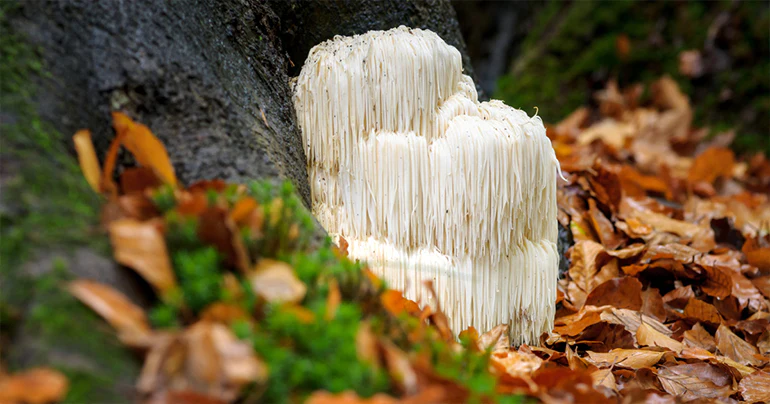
(211, 80)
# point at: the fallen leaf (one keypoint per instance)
(622, 293)
(648, 336)
(495, 339)
(736, 348)
(754, 387)
(146, 148)
(700, 338)
(625, 358)
(89, 163)
(275, 281)
(632, 320)
(34, 386)
(695, 381)
(713, 163)
(113, 306)
(394, 302)
(142, 247)
(701, 311)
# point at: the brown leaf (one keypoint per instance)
(713, 163)
(242, 209)
(34, 386)
(400, 370)
(366, 344)
(146, 148)
(754, 387)
(701, 311)
(602, 226)
(696, 381)
(648, 336)
(679, 297)
(762, 284)
(89, 163)
(574, 324)
(625, 358)
(142, 247)
(514, 363)
(736, 348)
(275, 281)
(700, 338)
(718, 282)
(240, 364)
(138, 179)
(113, 306)
(587, 258)
(652, 304)
(756, 255)
(631, 320)
(495, 339)
(216, 228)
(622, 293)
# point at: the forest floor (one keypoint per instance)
(666, 296)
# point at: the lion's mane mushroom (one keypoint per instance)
(426, 183)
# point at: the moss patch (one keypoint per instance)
(571, 52)
(47, 206)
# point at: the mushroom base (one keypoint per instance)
(517, 287)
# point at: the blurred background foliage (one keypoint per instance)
(556, 54)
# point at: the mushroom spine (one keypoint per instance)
(427, 183)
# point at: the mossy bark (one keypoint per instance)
(209, 77)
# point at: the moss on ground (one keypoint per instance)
(46, 207)
(571, 52)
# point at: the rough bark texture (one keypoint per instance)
(209, 77)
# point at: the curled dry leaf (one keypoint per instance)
(515, 364)
(701, 311)
(648, 336)
(623, 293)
(754, 387)
(394, 302)
(89, 163)
(275, 281)
(696, 381)
(698, 337)
(34, 386)
(625, 358)
(495, 339)
(736, 348)
(145, 147)
(126, 317)
(142, 247)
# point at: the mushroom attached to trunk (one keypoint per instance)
(424, 182)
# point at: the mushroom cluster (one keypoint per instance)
(425, 182)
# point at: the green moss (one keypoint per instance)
(46, 202)
(94, 361)
(48, 206)
(571, 52)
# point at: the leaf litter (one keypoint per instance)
(666, 298)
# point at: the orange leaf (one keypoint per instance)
(146, 148)
(713, 163)
(242, 209)
(648, 336)
(395, 303)
(141, 246)
(34, 386)
(89, 163)
(113, 306)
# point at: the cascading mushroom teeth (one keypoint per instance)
(427, 183)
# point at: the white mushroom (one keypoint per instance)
(427, 183)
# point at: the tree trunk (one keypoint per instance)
(209, 77)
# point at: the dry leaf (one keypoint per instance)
(756, 387)
(113, 306)
(34, 386)
(695, 381)
(701, 311)
(146, 148)
(625, 358)
(495, 339)
(89, 163)
(622, 293)
(698, 337)
(713, 163)
(275, 281)
(648, 336)
(142, 247)
(736, 348)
